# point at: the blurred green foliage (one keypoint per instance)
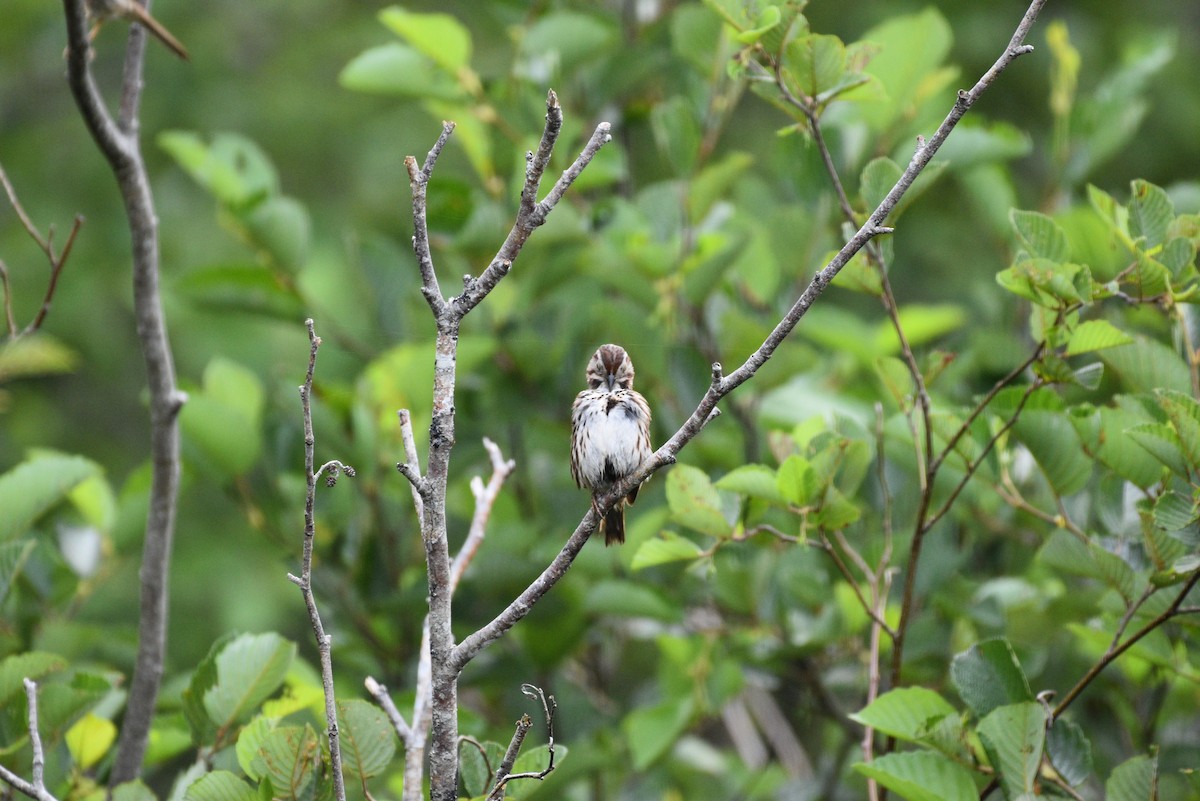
(701, 660)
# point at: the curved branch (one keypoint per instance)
(120, 146)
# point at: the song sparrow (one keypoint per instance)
(610, 433)
(100, 11)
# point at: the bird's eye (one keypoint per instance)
(594, 383)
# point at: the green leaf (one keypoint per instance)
(1161, 442)
(815, 62)
(1067, 553)
(651, 730)
(13, 556)
(1146, 365)
(905, 712)
(897, 379)
(877, 180)
(35, 486)
(233, 169)
(32, 665)
(223, 436)
(90, 739)
(715, 181)
(754, 481)
(289, 756)
(1070, 751)
(220, 785)
(677, 133)
(133, 791)
(35, 354)
(1096, 335)
(535, 760)
(1055, 445)
(617, 598)
(694, 501)
(249, 741)
(250, 668)
(666, 547)
(987, 676)
(922, 324)
(767, 19)
(249, 288)
(1039, 235)
(921, 776)
(1184, 413)
(1133, 780)
(1150, 213)
(399, 70)
(367, 737)
(440, 37)
(279, 227)
(798, 483)
(1014, 737)
(910, 49)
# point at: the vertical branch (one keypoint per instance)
(304, 580)
(119, 143)
(35, 789)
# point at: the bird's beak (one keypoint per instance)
(611, 380)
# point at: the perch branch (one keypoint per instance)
(503, 773)
(304, 581)
(119, 143)
(666, 453)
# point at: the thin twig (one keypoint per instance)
(36, 788)
(304, 581)
(485, 497)
(1114, 650)
(503, 776)
(380, 693)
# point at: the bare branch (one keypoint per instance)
(485, 497)
(35, 789)
(121, 147)
(305, 579)
(413, 463)
(380, 694)
(418, 177)
(503, 775)
(46, 245)
(1113, 651)
(531, 214)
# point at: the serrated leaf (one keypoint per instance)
(797, 481)
(1150, 213)
(1118, 451)
(89, 739)
(1147, 365)
(694, 502)
(35, 486)
(1039, 235)
(877, 180)
(897, 379)
(1096, 335)
(249, 741)
(1133, 780)
(1161, 442)
(666, 547)
(133, 791)
(1066, 552)
(1055, 445)
(766, 19)
(921, 776)
(249, 669)
(289, 756)
(1014, 737)
(367, 737)
(815, 62)
(220, 785)
(987, 676)
(1184, 413)
(904, 712)
(1070, 751)
(32, 665)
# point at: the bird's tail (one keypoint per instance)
(614, 524)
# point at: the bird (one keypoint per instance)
(100, 11)
(610, 433)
